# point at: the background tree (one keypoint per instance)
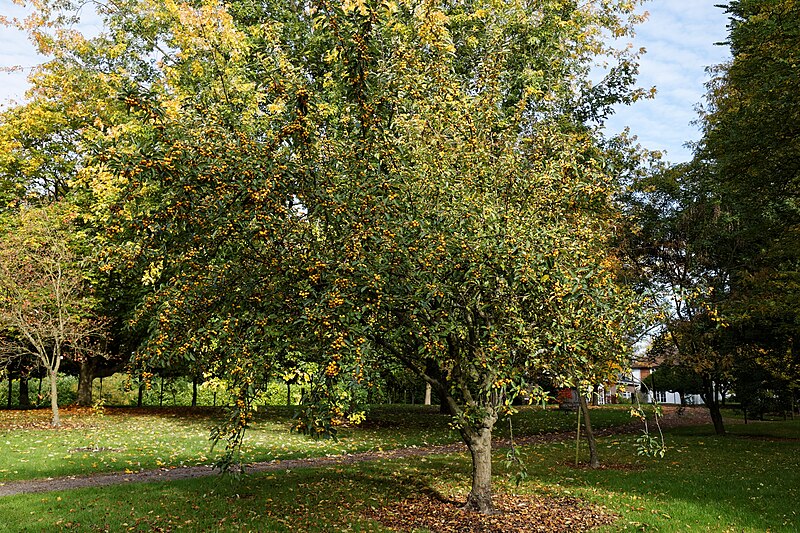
(760, 391)
(684, 268)
(750, 127)
(674, 378)
(720, 233)
(46, 304)
(45, 157)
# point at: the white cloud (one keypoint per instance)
(680, 38)
(16, 51)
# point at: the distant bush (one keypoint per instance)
(67, 392)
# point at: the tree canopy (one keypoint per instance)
(750, 134)
(346, 183)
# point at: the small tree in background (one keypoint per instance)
(45, 301)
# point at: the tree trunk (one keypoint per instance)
(711, 401)
(428, 393)
(56, 421)
(594, 461)
(444, 407)
(85, 380)
(479, 442)
(194, 392)
(141, 395)
(24, 396)
(716, 417)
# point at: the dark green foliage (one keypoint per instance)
(675, 378)
(718, 237)
(751, 129)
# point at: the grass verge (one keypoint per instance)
(748, 481)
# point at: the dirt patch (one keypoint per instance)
(515, 513)
(71, 418)
(622, 467)
(75, 417)
(95, 449)
(66, 425)
(689, 416)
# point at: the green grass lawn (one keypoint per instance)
(748, 481)
(128, 439)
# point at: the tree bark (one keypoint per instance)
(140, 396)
(24, 396)
(433, 370)
(56, 421)
(479, 442)
(710, 398)
(91, 368)
(594, 461)
(194, 392)
(444, 407)
(85, 380)
(716, 418)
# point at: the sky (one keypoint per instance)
(679, 37)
